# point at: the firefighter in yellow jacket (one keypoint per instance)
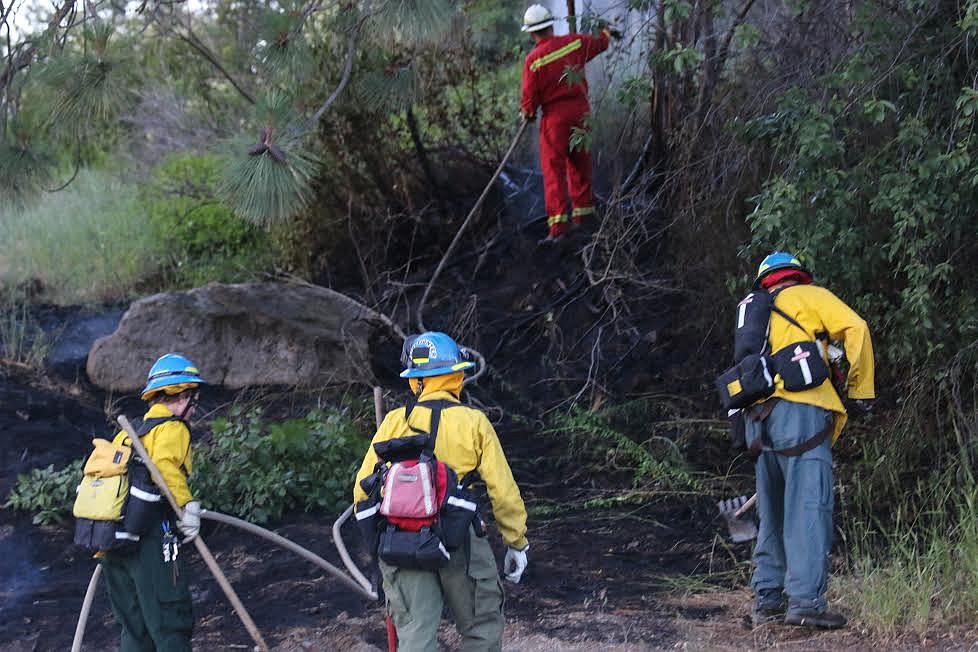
(792, 432)
(147, 585)
(466, 442)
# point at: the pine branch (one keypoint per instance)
(22, 54)
(347, 66)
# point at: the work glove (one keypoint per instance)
(514, 564)
(606, 27)
(189, 523)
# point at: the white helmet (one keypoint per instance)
(537, 17)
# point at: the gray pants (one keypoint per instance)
(794, 503)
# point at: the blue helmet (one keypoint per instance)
(172, 370)
(779, 260)
(432, 354)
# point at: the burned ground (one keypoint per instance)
(654, 575)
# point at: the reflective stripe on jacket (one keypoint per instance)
(545, 70)
(466, 441)
(817, 310)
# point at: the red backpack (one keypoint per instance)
(416, 512)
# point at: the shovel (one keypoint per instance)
(732, 510)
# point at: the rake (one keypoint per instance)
(733, 510)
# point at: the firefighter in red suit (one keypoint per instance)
(553, 78)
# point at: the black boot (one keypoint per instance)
(823, 620)
(550, 240)
(769, 606)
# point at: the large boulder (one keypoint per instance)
(240, 335)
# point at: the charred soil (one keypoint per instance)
(654, 575)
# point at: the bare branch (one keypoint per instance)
(347, 67)
(191, 39)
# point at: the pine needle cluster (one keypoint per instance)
(270, 181)
(88, 87)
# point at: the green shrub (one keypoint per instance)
(259, 470)
(89, 242)
(203, 239)
(46, 493)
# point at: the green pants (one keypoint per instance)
(471, 589)
(150, 598)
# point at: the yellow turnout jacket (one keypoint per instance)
(466, 442)
(168, 445)
(817, 310)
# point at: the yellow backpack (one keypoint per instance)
(117, 501)
(105, 485)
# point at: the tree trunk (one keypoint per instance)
(422, 154)
(571, 16)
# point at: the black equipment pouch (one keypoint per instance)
(745, 383)
(401, 448)
(144, 507)
(421, 550)
(368, 520)
(98, 535)
(738, 429)
(460, 511)
(801, 366)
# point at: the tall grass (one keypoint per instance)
(22, 341)
(911, 509)
(925, 578)
(89, 242)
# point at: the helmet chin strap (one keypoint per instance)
(191, 402)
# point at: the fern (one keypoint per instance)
(592, 432)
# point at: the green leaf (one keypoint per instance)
(676, 10)
(747, 36)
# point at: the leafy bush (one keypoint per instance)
(878, 193)
(204, 240)
(259, 470)
(47, 493)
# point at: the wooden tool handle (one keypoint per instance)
(198, 542)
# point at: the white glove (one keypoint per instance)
(189, 524)
(514, 564)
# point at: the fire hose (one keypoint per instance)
(358, 583)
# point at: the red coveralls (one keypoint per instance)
(553, 77)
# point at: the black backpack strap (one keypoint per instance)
(143, 426)
(436, 406)
(148, 424)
